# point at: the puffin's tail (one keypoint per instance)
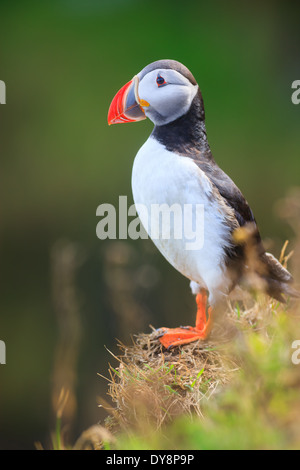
(278, 279)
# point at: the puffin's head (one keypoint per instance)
(163, 91)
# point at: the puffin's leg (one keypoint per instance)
(184, 335)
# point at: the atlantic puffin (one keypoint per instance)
(175, 166)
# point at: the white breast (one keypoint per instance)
(162, 177)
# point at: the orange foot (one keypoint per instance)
(176, 336)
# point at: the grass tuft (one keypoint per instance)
(239, 390)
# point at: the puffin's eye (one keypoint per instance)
(160, 80)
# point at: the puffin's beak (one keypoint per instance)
(126, 105)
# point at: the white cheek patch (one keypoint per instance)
(170, 101)
(178, 102)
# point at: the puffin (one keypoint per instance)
(175, 168)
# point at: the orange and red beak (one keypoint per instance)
(126, 105)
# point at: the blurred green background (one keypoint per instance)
(64, 293)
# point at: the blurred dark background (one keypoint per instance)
(64, 293)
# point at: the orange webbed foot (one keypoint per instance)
(184, 335)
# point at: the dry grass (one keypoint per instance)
(243, 374)
(151, 385)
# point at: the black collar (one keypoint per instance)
(186, 135)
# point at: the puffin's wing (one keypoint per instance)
(229, 191)
(278, 279)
